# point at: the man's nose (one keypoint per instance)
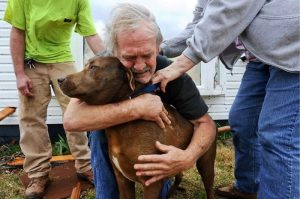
(139, 65)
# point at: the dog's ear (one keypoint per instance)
(129, 75)
(130, 79)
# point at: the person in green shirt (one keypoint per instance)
(40, 48)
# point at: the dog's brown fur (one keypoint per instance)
(106, 80)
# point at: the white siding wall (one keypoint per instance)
(219, 105)
(8, 91)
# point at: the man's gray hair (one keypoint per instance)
(128, 16)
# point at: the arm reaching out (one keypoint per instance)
(95, 43)
(80, 116)
(174, 160)
(176, 69)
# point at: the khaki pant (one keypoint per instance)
(34, 138)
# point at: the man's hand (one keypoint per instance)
(24, 85)
(164, 76)
(160, 166)
(173, 71)
(150, 107)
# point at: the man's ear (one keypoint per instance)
(130, 79)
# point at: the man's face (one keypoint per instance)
(137, 50)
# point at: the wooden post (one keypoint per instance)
(224, 129)
(7, 111)
(76, 191)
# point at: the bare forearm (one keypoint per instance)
(204, 135)
(17, 46)
(95, 43)
(82, 117)
(182, 64)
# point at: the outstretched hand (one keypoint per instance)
(164, 76)
(161, 166)
(173, 71)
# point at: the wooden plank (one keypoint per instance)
(76, 191)
(211, 100)
(2, 5)
(7, 77)
(238, 70)
(54, 119)
(224, 129)
(9, 94)
(218, 108)
(60, 158)
(8, 85)
(240, 63)
(14, 102)
(229, 100)
(231, 92)
(6, 112)
(4, 24)
(5, 59)
(4, 50)
(7, 102)
(4, 32)
(234, 78)
(233, 85)
(54, 111)
(219, 116)
(8, 68)
(4, 41)
(1, 14)
(13, 120)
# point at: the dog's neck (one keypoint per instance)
(125, 91)
(148, 88)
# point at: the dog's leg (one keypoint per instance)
(126, 187)
(206, 168)
(153, 191)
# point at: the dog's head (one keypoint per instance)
(103, 80)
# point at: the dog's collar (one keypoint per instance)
(150, 88)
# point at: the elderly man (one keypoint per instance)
(134, 37)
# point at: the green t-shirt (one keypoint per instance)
(48, 26)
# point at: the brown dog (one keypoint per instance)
(106, 80)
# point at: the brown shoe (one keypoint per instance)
(86, 176)
(233, 193)
(36, 187)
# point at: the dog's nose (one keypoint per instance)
(61, 80)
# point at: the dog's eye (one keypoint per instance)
(92, 67)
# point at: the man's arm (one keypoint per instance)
(17, 46)
(174, 160)
(80, 116)
(95, 43)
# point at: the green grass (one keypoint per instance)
(61, 147)
(10, 186)
(9, 150)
